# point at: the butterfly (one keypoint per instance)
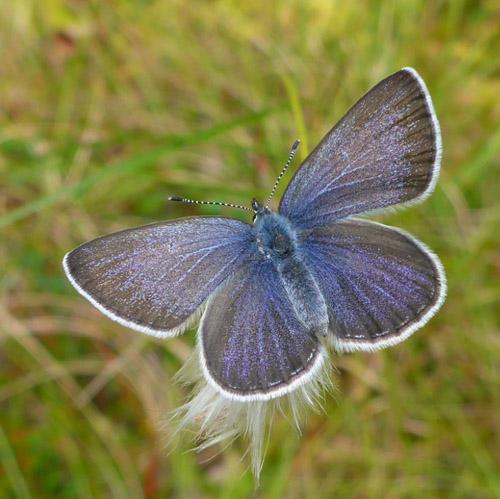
(276, 295)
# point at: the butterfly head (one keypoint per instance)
(274, 233)
(259, 210)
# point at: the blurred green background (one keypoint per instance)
(109, 107)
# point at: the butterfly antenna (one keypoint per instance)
(292, 154)
(215, 203)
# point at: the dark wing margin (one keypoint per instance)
(156, 278)
(252, 346)
(385, 151)
(381, 284)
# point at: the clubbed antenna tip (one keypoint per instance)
(292, 153)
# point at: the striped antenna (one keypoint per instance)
(215, 203)
(292, 154)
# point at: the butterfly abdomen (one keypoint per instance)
(304, 295)
(277, 241)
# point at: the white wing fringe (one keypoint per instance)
(215, 418)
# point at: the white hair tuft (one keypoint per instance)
(216, 418)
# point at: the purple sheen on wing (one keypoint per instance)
(383, 152)
(377, 281)
(252, 342)
(157, 275)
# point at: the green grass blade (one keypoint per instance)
(133, 164)
(298, 116)
(11, 467)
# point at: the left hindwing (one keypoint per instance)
(252, 345)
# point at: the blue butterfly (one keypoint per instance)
(274, 295)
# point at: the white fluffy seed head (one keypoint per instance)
(215, 418)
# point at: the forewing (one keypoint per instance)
(380, 284)
(252, 345)
(155, 278)
(385, 151)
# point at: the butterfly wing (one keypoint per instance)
(385, 151)
(156, 277)
(252, 345)
(380, 283)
